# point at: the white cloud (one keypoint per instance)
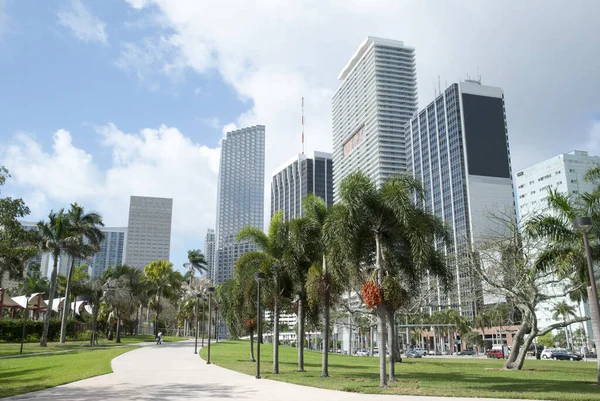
(212, 122)
(155, 162)
(273, 53)
(593, 142)
(83, 24)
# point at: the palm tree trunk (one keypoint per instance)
(44, 339)
(391, 342)
(380, 316)
(95, 310)
(300, 344)
(118, 340)
(65, 315)
(276, 335)
(252, 346)
(325, 360)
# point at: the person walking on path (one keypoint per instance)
(159, 338)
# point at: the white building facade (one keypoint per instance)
(148, 230)
(564, 173)
(377, 96)
(240, 196)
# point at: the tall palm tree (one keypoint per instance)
(122, 288)
(563, 310)
(272, 255)
(327, 274)
(54, 238)
(85, 237)
(391, 240)
(197, 261)
(163, 282)
(94, 288)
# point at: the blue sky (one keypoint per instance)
(100, 100)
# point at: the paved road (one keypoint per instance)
(171, 372)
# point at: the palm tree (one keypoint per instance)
(482, 321)
(94, 288)
(122, 287)
(34, 282)
(54, 238)
(390, 240)
(325, 277)
(84, 240)
(273, 256)
(163, 282)
(563, 310)
(197, 261)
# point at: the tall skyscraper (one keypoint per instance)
(42, 258)
(110, 253)
(209, 251)
(240, 199)
(298, 178)
(376, 98)
(458, 147)
(148, 230)
(564, 173)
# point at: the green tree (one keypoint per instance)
(390, 241)
(163, 283)
(17, 245)
(34, 281)
(122, 288)
(272, 256)
(482, 321)
(326, 275)
(546, 340)
(54, 237)
(84, 240)
(197, 261)
(564, 311)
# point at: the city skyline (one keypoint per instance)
(134, 100)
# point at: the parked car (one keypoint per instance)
(495, 353)
(547, 352)
(532, 349)
(413, 354)
(565, 356)
(590, 354)
(420, 351)
(468, 352)
(362, 352)
(433, 352)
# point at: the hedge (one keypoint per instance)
(11, 330)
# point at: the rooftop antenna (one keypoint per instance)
(302, 124)
(439, 85)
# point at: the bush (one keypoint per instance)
(11, 330)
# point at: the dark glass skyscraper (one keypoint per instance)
(458, 147)
(298, 178)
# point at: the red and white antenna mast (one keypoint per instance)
(302, 124)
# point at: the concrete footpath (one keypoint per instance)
(172, 372)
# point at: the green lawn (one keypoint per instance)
(9, 349)
(459, 377)
(37, 372)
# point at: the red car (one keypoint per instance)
(495, 353)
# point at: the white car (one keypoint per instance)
(362, 352)
(547, 352)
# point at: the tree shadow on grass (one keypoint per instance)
(167, 392)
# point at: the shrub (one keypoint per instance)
(11, 330)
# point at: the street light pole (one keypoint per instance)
(203, 318)
(584, 224)
(25, 322)
(210, 292)
(258, 277)
(196, 328)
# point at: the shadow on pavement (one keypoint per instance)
(151, 392)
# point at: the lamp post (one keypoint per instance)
(203, 318)
(196, 328)
(210, 292)
(25, 322)
(584, 224)
(258, 276)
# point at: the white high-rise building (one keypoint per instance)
(376, 98)
(564, 173)
(240, 196)
(209, 251)
(111, 251)
(148, 230)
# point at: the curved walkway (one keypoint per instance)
(171, 372)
